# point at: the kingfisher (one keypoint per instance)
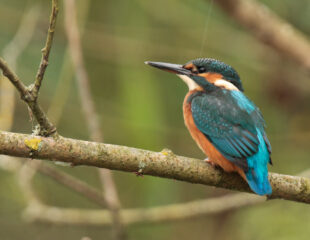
(227, 126)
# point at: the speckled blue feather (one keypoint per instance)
(235, 126)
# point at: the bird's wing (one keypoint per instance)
(230, 121)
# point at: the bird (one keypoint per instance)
(227, 126)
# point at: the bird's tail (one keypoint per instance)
(258, 183)
(257, 175)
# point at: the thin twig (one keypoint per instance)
(73, 183)
(14, 164)
(162, 164)
(47, 48)
(23, 90)
(30, 94)
(47, 127)
(12, 52)
(88, 107)
(87, 102)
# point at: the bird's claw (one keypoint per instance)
(207, 160)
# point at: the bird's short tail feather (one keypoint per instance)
(259, 185)
(257, 175)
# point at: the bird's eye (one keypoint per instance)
(201, 69)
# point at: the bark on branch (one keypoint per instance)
(162, 164)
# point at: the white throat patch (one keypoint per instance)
(190, 83)
(219, 83)
(225, 84)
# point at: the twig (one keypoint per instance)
(87, 102)
(88, 106)
(168, 213)
(47, 127)
(162, 164)
(30, 94)
(270, 29)
(46, 50)
(66, 76)
(12, 51)
(14, 164)
(23, 90)
(73, 183)
(111, 197)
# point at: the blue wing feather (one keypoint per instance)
(236, 128)
(226, 125)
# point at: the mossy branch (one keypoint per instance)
(162, 164)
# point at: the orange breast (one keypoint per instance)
(205, 145)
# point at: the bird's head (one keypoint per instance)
(204, 73)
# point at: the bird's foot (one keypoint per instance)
(207, 160)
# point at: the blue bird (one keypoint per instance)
(225, 124)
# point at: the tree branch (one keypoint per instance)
(46, 50)
(162, 164)
(14, 164)
(73, 183)
(160, 214)
(47, 127)
(30, 94)
(270, 29)
(14, 79)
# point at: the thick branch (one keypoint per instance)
(269, 28)
(46, 127)
(47, 48)
(162, 164)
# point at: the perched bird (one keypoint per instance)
(225, 124)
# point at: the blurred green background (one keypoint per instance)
(142, 107)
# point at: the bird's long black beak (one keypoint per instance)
(170, 67)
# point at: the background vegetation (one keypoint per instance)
(142, 107)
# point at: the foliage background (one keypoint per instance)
(142, 107)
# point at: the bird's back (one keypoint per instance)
(229, 128)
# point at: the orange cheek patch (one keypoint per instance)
(189, 66)
(211, 77)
